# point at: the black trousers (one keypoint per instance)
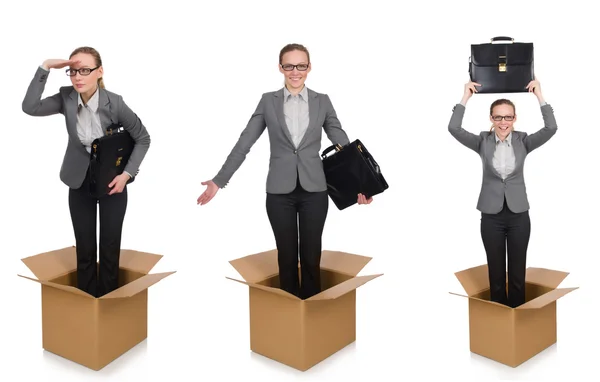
(502, 231)
(92, 279)
(304, 213)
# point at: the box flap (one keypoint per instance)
(136, 286)
(278, 291)
(545, 277)
(346, 263)
(257, 267)
(49, 265)
(138, 261)
(62, 287)
(342, 288)
(545, 299)
(458, 294)
(474, 280)
(480, 299)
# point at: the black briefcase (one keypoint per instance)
(108, 158)
(349, 171)
(502, 68)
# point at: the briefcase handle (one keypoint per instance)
(336, 147)
(113, 128)
(502, 38)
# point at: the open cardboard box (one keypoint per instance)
(512, 335)
(88, 330)
(301, 333)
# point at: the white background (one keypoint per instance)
(194, 73)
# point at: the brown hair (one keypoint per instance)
(291, 48)
(94, 53)
(498, 102)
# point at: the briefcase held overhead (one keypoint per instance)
(350, 171)
(501, 68)
(108, 158)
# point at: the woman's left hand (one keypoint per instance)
(535, 88)
(118, 184)
(363, 199)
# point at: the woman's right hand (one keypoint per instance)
(470, 89)
(209, 193)
(57, 63)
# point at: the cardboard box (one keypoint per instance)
(301, 333)
(88, 330)
(512, 335)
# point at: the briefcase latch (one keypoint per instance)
(502, 65)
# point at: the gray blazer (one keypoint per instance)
(493, 188)
(112, 109)
(286, 161)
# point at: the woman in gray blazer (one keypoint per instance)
(297, 199)
(503, 200)
(89, 109)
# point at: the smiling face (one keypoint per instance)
(85, 84)
(503, 117)
(295, 78)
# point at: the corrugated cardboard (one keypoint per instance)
(301, 333)
(88, 330)
(512, 335)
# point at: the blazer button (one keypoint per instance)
(295, 151)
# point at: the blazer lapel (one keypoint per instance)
(491, 148)
(278, 103)
(104, 110)
(313, 114)
(71, 119)
(71, 113)
(519, 150)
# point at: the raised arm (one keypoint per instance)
(468, 139)
(33, 104)
(541, 136)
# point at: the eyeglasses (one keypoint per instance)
(82, 71)
(290, 67)
(498, 118)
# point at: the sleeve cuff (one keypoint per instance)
(218, 183)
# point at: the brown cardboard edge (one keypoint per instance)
(331, 269)
(65, 288)
(40, 271)
(263, 265)
(465, 277)
(277, 291)
(256, 266)
(337, 261)
(546, 298)
(550, 278)
(138, 261)
(479, 299)
(341, 289)
(136, 286)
